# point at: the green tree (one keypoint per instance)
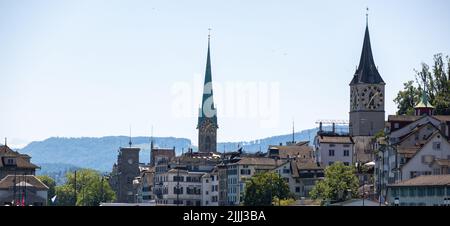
(65, 195)
(91, 189)
(436, 82)
(407, 99)
(340, 183)
(263, 188)
(51, 184)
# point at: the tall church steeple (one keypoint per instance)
(367, 71)
(366, 94)
(207, 118)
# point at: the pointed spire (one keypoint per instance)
(367, 71)
(207, 109)
(6, 141)
(424, 107)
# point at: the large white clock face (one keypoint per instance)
(372, 97)
(130, 161)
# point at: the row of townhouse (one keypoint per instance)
(189, 180)
(210, 179)
(415, 148)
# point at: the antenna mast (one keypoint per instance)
(130, 138)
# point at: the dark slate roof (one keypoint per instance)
(412, 118)
(367, 71)
(207, 93)
(403, 118)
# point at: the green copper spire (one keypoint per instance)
(423, 103)
(207, 110)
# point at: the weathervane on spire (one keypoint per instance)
(209, 33)
(367, 15)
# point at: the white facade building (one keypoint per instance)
(430, 190)
(333, 148)
(181, 187)
(210, 189)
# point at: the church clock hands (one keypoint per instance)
(208, 127)
(375, 98)
(371, 103)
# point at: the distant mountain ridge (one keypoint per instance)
(101, 153)
(57, 171)
(96, 153)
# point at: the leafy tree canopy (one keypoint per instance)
(91, 189)
(340, 184)
(435, 80)
(263, 188)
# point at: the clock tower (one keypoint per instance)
(207, 118)
(366, 95)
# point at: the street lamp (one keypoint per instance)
(396, 202)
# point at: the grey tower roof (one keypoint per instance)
(367, 71)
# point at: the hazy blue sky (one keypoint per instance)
(92, 68)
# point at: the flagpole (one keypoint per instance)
(15, 182)
(75, 184)
(20, 189)
(25, 190)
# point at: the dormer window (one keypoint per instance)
(10, 161)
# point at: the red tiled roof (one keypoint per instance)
(259, 161)
(21, 159)
(335, 139)
(30, 180)
(287, 151)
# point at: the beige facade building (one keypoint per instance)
(300, 175)
(243, 169)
